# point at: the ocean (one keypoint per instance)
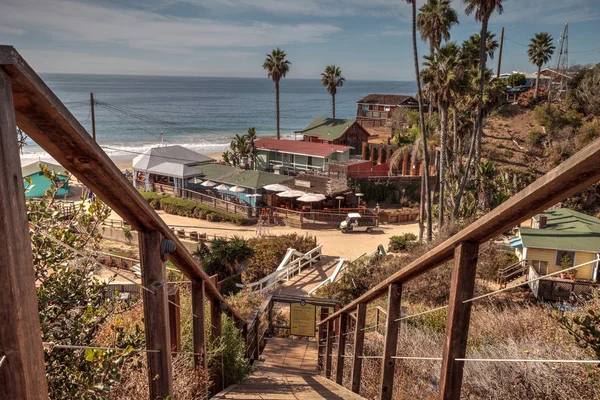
(198, 112)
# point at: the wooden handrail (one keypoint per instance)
(52, 126)
(573, 175)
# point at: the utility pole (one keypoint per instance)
(93, 116)
(500, 53)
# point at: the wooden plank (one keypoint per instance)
(329, 348)
(359, 341)
(339, 371)
(457, 324)
(52, 126)
(174, 319)
(156, 315)
(322, 336)
(391, 341)
(198, 324)
(256, 327)
(218, 377)
(570, 177)
(23, 373)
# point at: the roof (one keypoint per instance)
(565, 230)
(176, 161)
(233, 176)
(354, 215)
(328, 128)
(318, 184)
(388, 99)
(299, 147)
(34, 168)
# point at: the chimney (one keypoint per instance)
(543, 221)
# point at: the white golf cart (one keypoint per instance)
(355, 222)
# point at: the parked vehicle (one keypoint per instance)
(355, 222)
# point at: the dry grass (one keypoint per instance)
(511, 332)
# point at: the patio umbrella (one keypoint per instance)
(222, 187)
(236, 189)
(291, 193)
(196, 180)
(276, 187)
(208, 184)
(254, 195)
(311, 198)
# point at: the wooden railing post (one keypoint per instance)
(329, 347)
(156, 315)
(390, 341)
(457, 324)
(23, 374)
(175, 319)
(339, 372)
(256, 353)
(199, 328)
(359, 340)
(217, 329)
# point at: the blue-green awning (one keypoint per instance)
(515, 242)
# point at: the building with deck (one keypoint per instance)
(170, 165)
(376, 110)
(345, 132)
(36, 184)
(560, 239)
(295, 156)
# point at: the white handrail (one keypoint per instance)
(286, 269)
(342, 264)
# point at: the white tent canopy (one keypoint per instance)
(291, 193)
(276, 187)
(311, 198)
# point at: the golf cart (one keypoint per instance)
(354, 222)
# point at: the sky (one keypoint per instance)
(368, 39)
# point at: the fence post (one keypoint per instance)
(217, 329)
(359, 340)
(391, 340)
(198, 323)
(256, 328)
(156, 315)
(457, 324)
(174, 319)
(23, 374)
(322, 338)
(339, 372)
(329, 348)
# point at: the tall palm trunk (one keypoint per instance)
(537, 83)
(277, 106)
(477, 124)
(455, 155)
(425, 178)
(333, 106)
(443, 109)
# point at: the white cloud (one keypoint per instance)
(11, 31)
(396, 32)
(548, 11)
(71, 21)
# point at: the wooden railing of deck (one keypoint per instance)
(27, 102)
(573, 175)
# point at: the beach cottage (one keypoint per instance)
(39, 183)
(170, 166)
(376, 110)
(344, 132)
(559, 239)
(295, 155)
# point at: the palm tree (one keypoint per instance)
(483, 11)
(277, 68)
(540, 52)
(435, 19)
(425, 177)
(332, 79)
(441, 79)
(471, 46)
(251, 138)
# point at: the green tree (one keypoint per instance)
(483, 11)
(540, 51)
(277, 67)
(516, 79)
(332, 79)
(425, 180)
(434, 21)
(251, 138)
(442, 81)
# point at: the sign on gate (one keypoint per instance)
(303, 319)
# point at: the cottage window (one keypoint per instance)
(541, 267)
(309, 162)
(565, 259)
(365, 106)
(386, 108)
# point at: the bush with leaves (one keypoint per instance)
(583, 323)
(401, 242)
(72, 305)
(516, 79)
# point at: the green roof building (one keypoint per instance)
(345, 132)
(39, 183)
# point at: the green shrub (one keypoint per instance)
(589, 132)
(401, 242)
(233, 349)
(535, 137)
(516, 80)
(152, 198)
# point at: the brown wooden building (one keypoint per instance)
(345, 132)
(376, 110)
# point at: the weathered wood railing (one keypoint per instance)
(225, 205)
(27, 102)
(573, 175)
(292, 264)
